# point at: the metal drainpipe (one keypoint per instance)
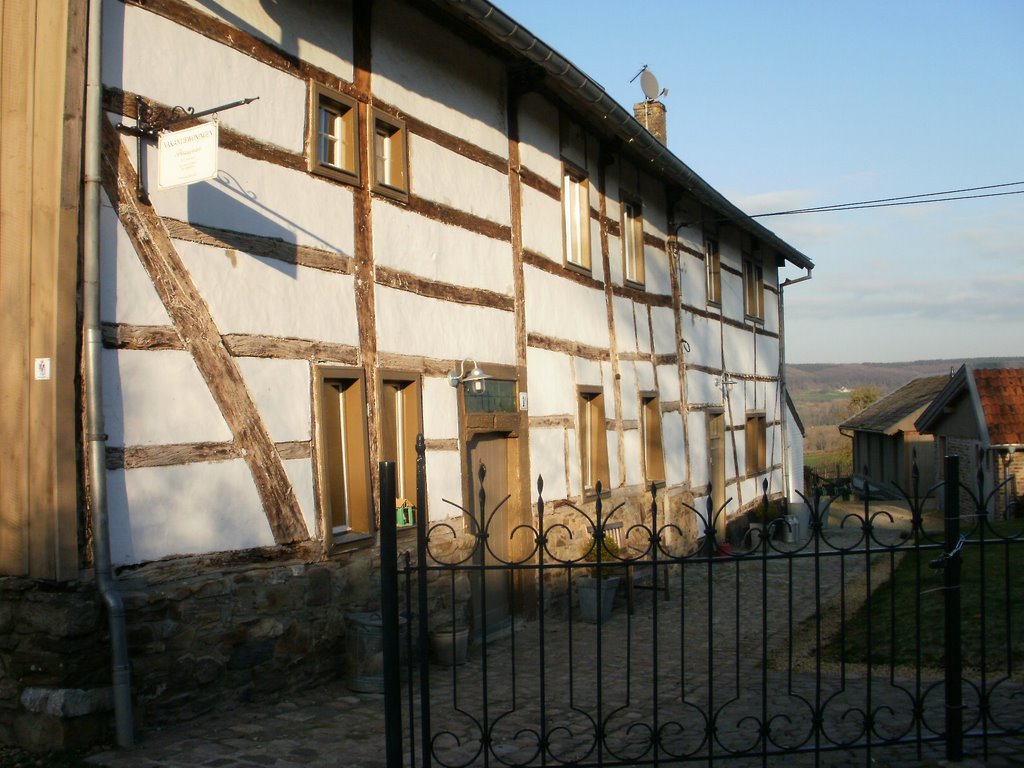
(96, 446)
(784, 389)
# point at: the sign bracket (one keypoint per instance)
(147, 128)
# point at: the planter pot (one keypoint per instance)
(449, 645)
(366, 650)
(590, 591)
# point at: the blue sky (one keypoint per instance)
(788, 104)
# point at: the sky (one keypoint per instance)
(785, 104)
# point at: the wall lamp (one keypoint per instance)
(476, 379)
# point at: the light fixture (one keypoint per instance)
(725, 382)
(476, 378)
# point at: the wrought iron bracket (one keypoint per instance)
(146, 128)
(939, 563)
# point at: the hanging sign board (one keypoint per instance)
(187, 156)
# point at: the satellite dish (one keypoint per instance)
(649, 84)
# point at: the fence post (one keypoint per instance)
(389, 606)
(951, 584)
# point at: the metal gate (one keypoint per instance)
(859, 640)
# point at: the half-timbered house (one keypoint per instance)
(199, 379)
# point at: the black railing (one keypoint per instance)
(784, 648)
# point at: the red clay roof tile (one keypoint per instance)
(1001, 392)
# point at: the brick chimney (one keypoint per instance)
(651, 115)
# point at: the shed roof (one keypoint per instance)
(884, 415)
(591, 100)
(996, 396)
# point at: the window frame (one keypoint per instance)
(318, 94)
(713, 270)
(575, 178)
(353, 518)
(398, 159)
(756, 437)
(592, 444)
(409, 423)
(652, 439)
(753, 290)
(632, 236)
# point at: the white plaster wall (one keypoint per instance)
(692, 279)
(663, 322)
(165, 61)
(767, 356)
(547, 459)
(795, 459)
(703, 336)
(589, 373)
(440, 410)
(408, 242)
(644, 340)
(444, 481)
(701, 388)
(415, 325)
(425, 70)
(221, 511)
(646, 377)
(542, 224)
(300, 472)
(615, 470)
(616, 274)
(252, 294)
(565, 310)
(739, 349)
(628, 388)
(446, 177)
(631, 442)
(262, 199)
(668, 383)
(538, 138)
(675, 447)
(732, 293)
(156, 398)
(281, 391)
(316, 31)
(550, 382)
(573, 457)
(127, 294)
(657, 277)
(625, 324)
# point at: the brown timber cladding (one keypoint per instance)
(41, 96)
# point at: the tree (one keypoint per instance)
(861, 398)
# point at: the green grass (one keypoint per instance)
(825, 462)
(906, 596)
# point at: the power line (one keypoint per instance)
(889, 202)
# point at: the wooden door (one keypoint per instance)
(716, 468)
(492, 592)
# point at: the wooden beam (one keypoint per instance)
(433, 289)
(193, 321)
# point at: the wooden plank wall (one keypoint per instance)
(42, 50)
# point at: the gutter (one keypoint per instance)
(95, 428)
(593, 100)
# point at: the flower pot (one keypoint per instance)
(449, 645)
(594, 593)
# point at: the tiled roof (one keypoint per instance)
(1001, 392)
(883, 415)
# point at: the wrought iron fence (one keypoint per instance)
(874, 632)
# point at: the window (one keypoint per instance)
(399, 425)
(389, 164)
(576, 217)
(650, 429)
(333, 142)
(593, 439)
(632, 243)
(757, 460)
(713, 270)
(753, 287)
(345, 455)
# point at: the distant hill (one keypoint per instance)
(812, 378)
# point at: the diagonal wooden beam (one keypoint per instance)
(194, 323)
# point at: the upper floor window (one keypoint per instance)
(389, 163)
(576, 217)
(713, 270)
(344, 454)
(333, 141)
(753, 289)
(756, 429)
(592, 439)
(650, 428)
(632, 242)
